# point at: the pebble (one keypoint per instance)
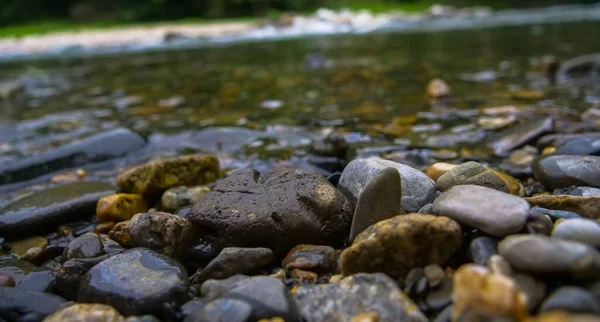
(471, 173)
(119, 207)
(35, 306)
(122, 282)
(519, 162)
(85, 246)
(21, 247)
(441, 296)
(572, 299)
(162, 232)
(213, 289)
(397, 245)
(497, 265)
(16, 269)
(6, 280)
(584, 206)
(121, 234)
(359, 293)
(560, 171)
(438, 88)
(41, 281)
(156, 177)
(320, 259)
(304, 276)
(533, 290)
(560, 316)
(232, 261)
(222, 310)
(85, 312)
(578, 191)
(494, 212)
(581, 230)
(518, 135)
(434, 273)
(436, 170)
(190, 308)
(554, 214)
(544, 255)
(481, 249)
(427, 209)
(44, 209)
(580, 146)
(417, 188)
(538, 223)
(412, 280)
(279, 210)
(178, 197)
(379, 200)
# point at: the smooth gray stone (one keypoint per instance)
(572, 299)
(518, 135)
(16, 302)
(561, 171)
(582, 230)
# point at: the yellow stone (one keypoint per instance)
(304, 276)
(527, 94)
(275, 319)
(513, 185)
(366, 317)
(121, 234)
(548, 150)
(560, 316)
(86, 312)
(119, 207)
(436, 170)
(20, 247)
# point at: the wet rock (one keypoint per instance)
(478, 292)
(42, 281)
(489, 210)
(70, 273)
(6, 280)
(222, 310)
(121, 281)
(533, 290)
(178, 197)
(519, 135)
(397, 245)
(85, 246)
(356, 294)
(213, 289)
(582, 146)
(156, 177)
(119, 207)
(301, 276)
(571, 299)
(95, 149)
(417, 189)
(42, 210)
(583, 206)
(15, 303)
(379, 200)
(436, 170)
(471, 173)
(21, 247)
(279, 210)
(159, 231)
(16, 269)
(560, 171)
(121, 234)
(538, 223)
(232, 261)
(268, 298)
(577, 191)
(85, 312)
(554, 214)
(580, 230)
(320, 259)
(445, 315)
(543, 255)
(333, 145)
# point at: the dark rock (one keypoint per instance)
(440, 297)
(340, 302)
(445, 315)
(538, 223)
(43, 210)
(560, 171)
(583, 146)
(554, 214)
(321, 259)
(162, 232)
(560, 138)
(334, 179)
(232, 261)
(519, 135)
(427, 209)
(95, 149)
(412, 279)
(471, 173)
(481, 249)
(572, 299)
(85, 246)
(70, 274)
(577, 191)
(581, 230)
(222, 310)
(279, 210)
(333, 145)
(16, 269)
(16, 303)
(534, 290)
(42, 281)
(435, 274)
(213, 289)
(121, 281)
(422, 286)
(328, 164)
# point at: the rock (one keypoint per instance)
(366, 317)
(21, 247)
(16, 303)
(16, 269)
(533, 290)
(190, 308)
(441, 296)
(94, 149)
(471, 173)
(412, 280)
(489, 210)
(577, 191)
(379, 200)
(356, 294)
(427, 209)
(70, 273)
(232, 261)
(543, 255)
(105, 227)
(6, 280)
(279, 210)
(538, 223)
(304, 276)
(417, 189)
(122, 282)
(581, 230)
(42, 210)
(583, 206)
(554, 214)
(571, 299)
(434, 274)
(155, 177)
(436, 170)
(159, 231)
(85, 312)
(85, 246)
(519, 162)
(320, 259)
(518, 135)
(498, 265)
(179, 197)
(560, 316)
(222, 310)
(121, 234)
(445, 315)
(560, 171)
(268, 298)
(580, 146)
(437, 88)
(42, 281)
(397, 245)
(333, 145)
(561, 138)
(213, 289)
(513, 185)
(119, 207)
(478, 292)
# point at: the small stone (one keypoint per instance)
(178, 197)
(482, 249)
(434, 274)
(581, 230)
(543, 255)
(42, 281)
(560, 316)
(412, 279)
(304, 276)
(279, 274)
(577, 191)
(513, 185)
(121, 234)
(85, 246)
(437, 88)
(16, 303)
(489, 210)
(192, 307)
(119, 207)
(440, 297)
(6, 280)
(333, 145)
(421, 288)
(222, 310)
(538, 223)
(572, 299)
(580, 146)
(366, 317)
(436, 170)
(445, 315)
(427, 209)
(320, 259)
(379, 200)
(213, 289)
(85, 312)
(16, 269)
(584, 206)
(397, 245)
(158, 176)
(554, 214)
(21, 247)
(518, 135)
(64, 231)
(105, 227)
(497, 265)
(477, 291)
(232, 261)
(533, 290)
(560, 171)
(162, 232)
(471, 173)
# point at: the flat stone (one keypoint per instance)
(560, 171)
(471, 173)
(42, 281)
(119, 207)
(379, 200)
(222, 310)
(213, 289)
(583, 206)
(16, 269)
(581, 230)
(494, 212)
(554, 214)
(571, 299)
(122, 282)
(232, 261)
(85, 312)
(397, 245)
(544, 255)
(580, 146)
(417, 188)
(577, 191)
(518, 135)
(45, 209)
(16, 303)
(321, 259)
(359, 293)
